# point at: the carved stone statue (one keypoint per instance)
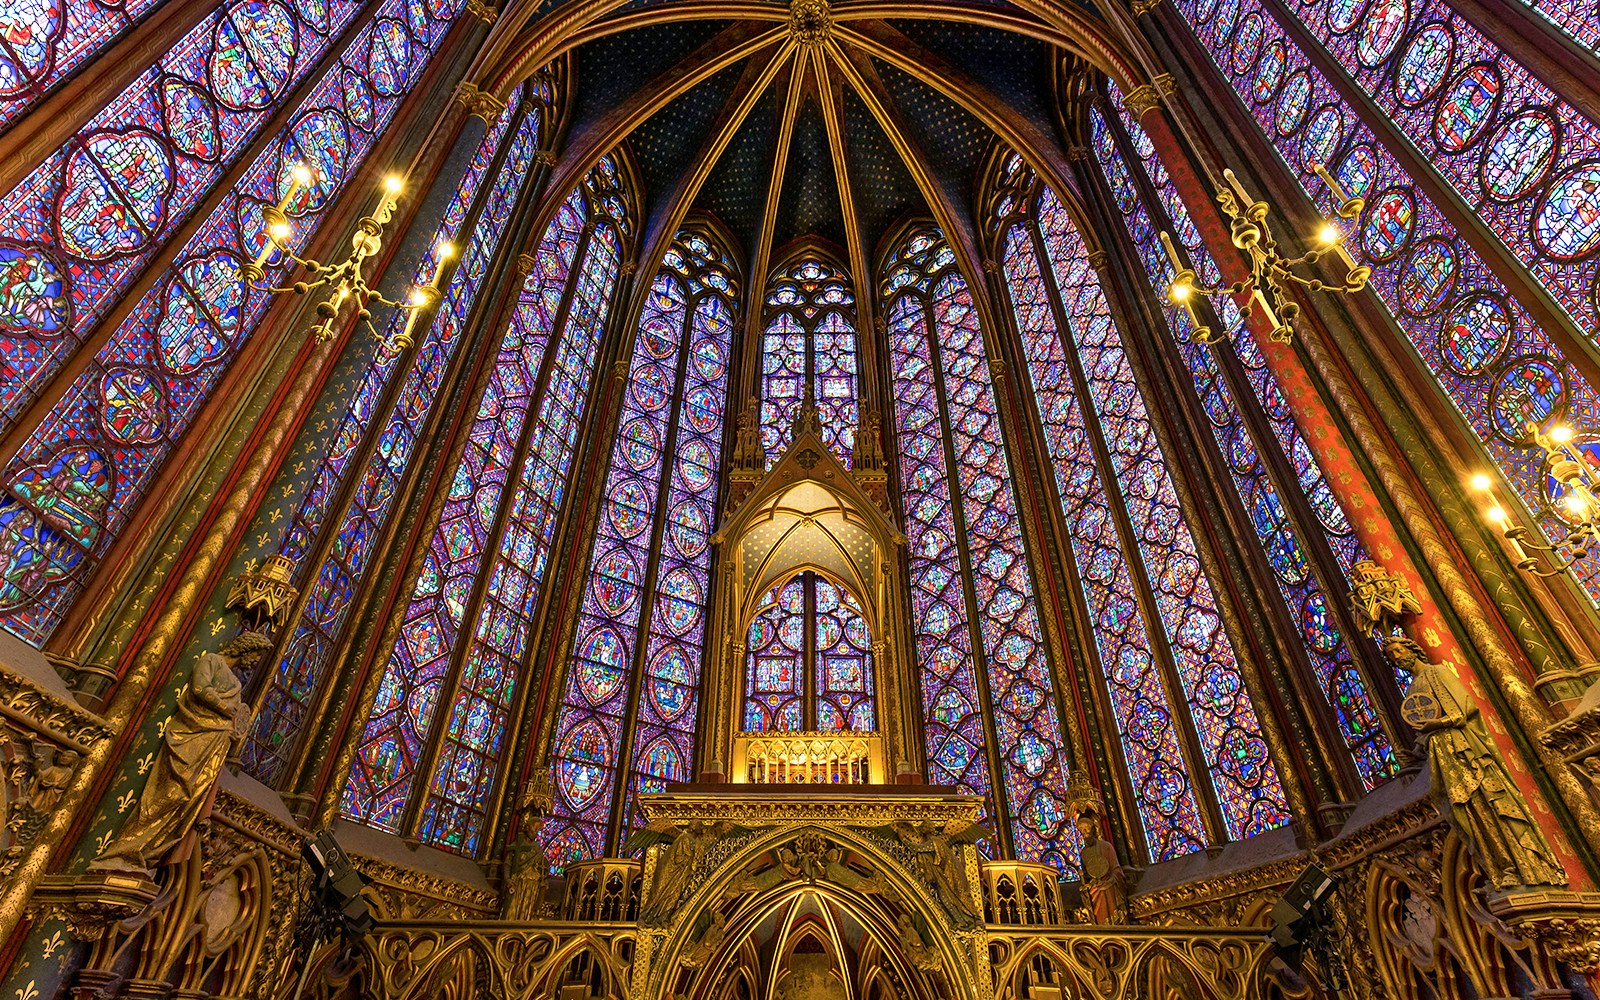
(1105, 887)
(1470, 785)
(527, 873)
(706, 948)
(676, 859)
(210, 714)
(943, 866)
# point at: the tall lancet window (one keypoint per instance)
(1521, 163)
(809, 350)
(992, 721)
(332, 565)
(809, 662)
(464, 635)
(78, 233)
(1158, 630)
(1304, 596)
(628, 713)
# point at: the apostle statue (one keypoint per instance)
(527, 872)
(210, 715)
(1105, 887)
(1470, 785)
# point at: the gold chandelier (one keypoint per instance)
(1576, 507)
(346, 278)
(1269, 269)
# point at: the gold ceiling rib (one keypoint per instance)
(769, 210)
(664, 224)
(856, 68)
(855, 238)
(1038, 150)
(592, 141)
(522, 40)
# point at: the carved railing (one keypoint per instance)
(603, 889)
(837, 758)
(1021, 892)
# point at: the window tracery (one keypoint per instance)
(1477, 338)
(808, 665)
(809, 350)
(962, 526)
(1241, 770)
(465, 632)
(1303, 595)
(83, 225)
(335, 581)
(628, 713)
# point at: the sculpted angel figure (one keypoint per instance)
(943, 866)
(676, 859)
(210, 715)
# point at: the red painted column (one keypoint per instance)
(1333, 452)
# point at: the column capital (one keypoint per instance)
(479, 103)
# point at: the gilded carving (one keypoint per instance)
(1380, 600)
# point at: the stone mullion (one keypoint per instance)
(1541, 305)
(1197, 764)
(419, 507)
(958, 520)
(1560, 61)
(1099, 747)
(248, 377)
(1433, 629)
(1552, 621)
(449, 687)
(1323, 754)
(1026, 493)
(898, 574)
(641, 633)
(1202, 489)
(467, 142)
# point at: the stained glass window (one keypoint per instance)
(632, 686)
(808, 665)
(1303, 595)
(82, 226)
(962, 523)
(461, 643)
(810, 342)
(334, 581)
(1470, 107)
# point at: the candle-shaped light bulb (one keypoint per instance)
(1245, 201)
(299, 177)
(1329, 234)
(392, 184)
(280, 232)
(1497, 514)
(418, 297)
(1172, 251)
(1179, 293)
(1482, 483)
(1577, 503)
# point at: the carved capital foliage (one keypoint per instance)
(480, 103)
(1141, 99)
(49, 715)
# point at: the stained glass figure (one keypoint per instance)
(343, 567)
(100, 207)
(809, 351)
(628, 712)
(962, 523)
(461, 647)
(809, 665)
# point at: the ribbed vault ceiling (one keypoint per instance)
(785, 138)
